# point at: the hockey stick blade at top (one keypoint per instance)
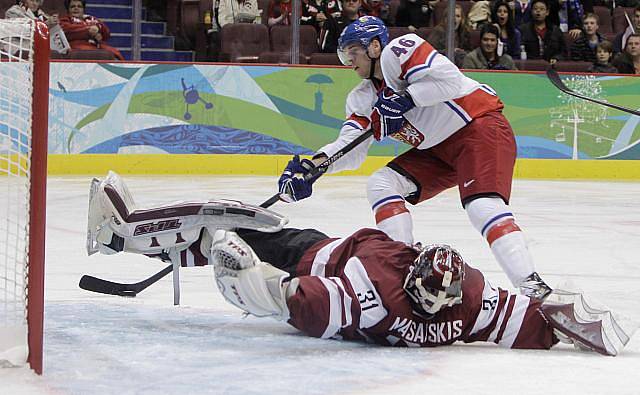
(94, 284)
(555, 79)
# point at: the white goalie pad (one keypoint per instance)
(175, 225)
(574, 321)
(253, 286)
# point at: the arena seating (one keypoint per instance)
(619, 20)
(604, 16)
(570, 65)
(531, 64)
(395, 32)
(442, 5)
(243, 42)
(424, 32)
(324, 59)
(279, 58)
(281, 39)
(259, 43)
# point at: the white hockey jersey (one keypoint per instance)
(446, 100)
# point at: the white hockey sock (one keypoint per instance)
(491, 217)
(512, 254)
(386, 190)
(395, 220)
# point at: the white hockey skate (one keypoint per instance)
(575, 322)
(116, 224)
(534, 287)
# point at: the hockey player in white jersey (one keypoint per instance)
(412, 93)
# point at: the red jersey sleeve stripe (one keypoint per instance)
(363, 122)
(419, 57)
(479, 102)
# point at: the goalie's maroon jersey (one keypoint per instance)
(352, 288)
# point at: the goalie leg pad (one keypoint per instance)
(574, 321)
(176, 225)
(255, 287)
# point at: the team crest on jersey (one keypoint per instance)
(409, 135)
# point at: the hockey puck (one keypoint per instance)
(127, 293)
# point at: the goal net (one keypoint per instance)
(24, 84)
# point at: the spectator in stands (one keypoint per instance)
(604, 54)
(628, 62)
(377, 8)
(622, 37)
(31, 9)
(510, 36)
(584, 48)
(542, 40)
(328, 37)
(522, 11)
(478, 14)
(566, 14)
(438, 37)
(279, 12)
(237, 11)
(486, 57)
(413, 14)
(85, 32)
(316, 12)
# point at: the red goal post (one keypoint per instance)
(24, 103)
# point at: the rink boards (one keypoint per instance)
(143, 118)
(272, 165)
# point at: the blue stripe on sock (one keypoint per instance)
(494, 219)
(379, 202)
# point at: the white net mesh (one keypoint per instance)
(16, 90)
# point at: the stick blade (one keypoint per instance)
(94, 284)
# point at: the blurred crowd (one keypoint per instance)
(488, 34)
(72, 31)
(592, 35)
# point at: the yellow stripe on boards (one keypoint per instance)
(272, 165)
(564, 169)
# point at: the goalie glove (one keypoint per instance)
(254, 286)
(387, 116)
(297, 179)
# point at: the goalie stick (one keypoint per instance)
(94, 284)
(99, 285)
(555, 79)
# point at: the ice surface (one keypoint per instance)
(97, 344)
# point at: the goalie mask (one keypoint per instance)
(435, 279)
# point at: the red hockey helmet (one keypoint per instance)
(435, 279)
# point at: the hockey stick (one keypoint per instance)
(94, 284)
(99, 285)
(322, 167)
(557, 82)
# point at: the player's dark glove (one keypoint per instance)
(296, 180)
(388, 113)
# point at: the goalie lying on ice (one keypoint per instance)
(361, 287)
